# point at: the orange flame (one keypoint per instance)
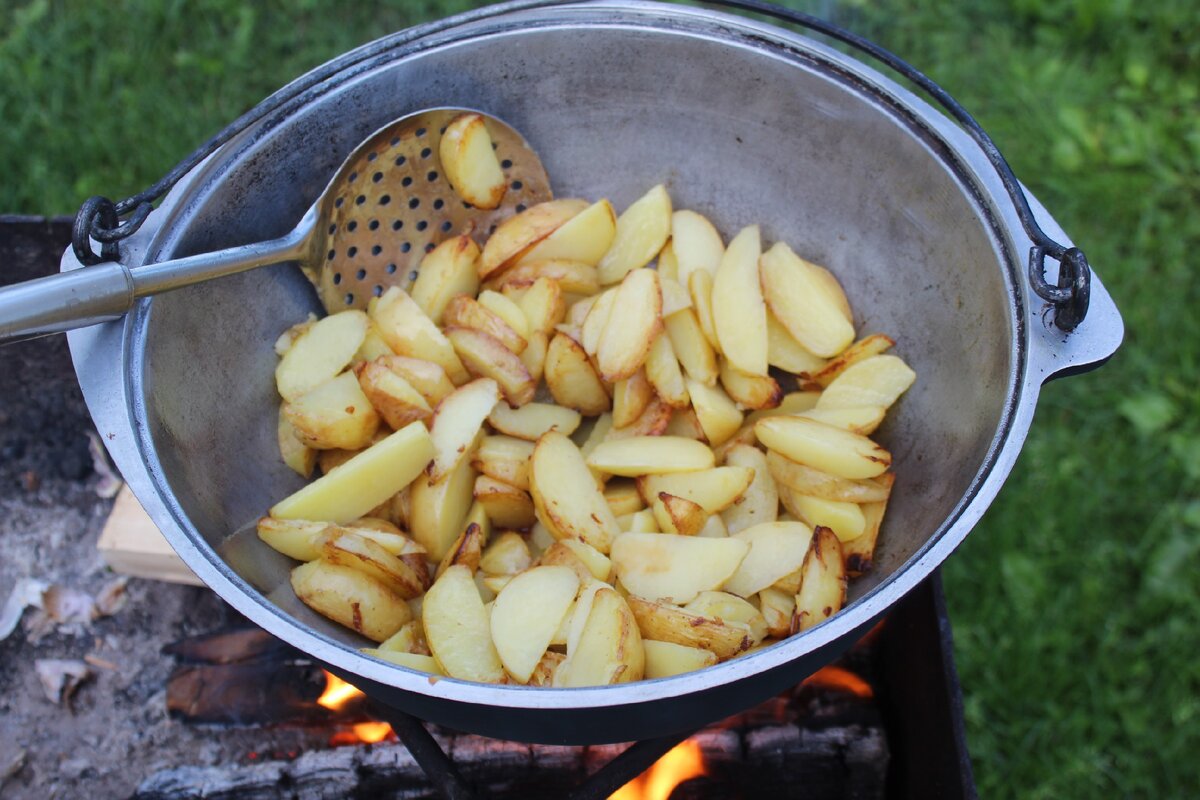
(840, 679)
(684, 761)
(336, 695)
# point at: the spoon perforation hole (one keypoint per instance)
(446, 226)
(413, 202)
(372, 156)
(377, 177)
(337, 278)
(362, 273)
(331, 254)
(431, 176)
(349, 298)
(401, 161)
(429, 247)
(506, 163)
(358, 201)
(406, 182)
(385, 199)
(397, 224)
(426, 153)
(352, 225)
(377, 290)
(376, 250)
(332, 229)
(420, 132)
(437, 204)
(352, 252)
(391, 269)
(422, 225)
(374, 225)
(405, 247)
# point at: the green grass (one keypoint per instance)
(1076, 603)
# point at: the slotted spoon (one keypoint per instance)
(387, 206)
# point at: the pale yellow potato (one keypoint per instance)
(571, 378)
(426, 377)
(348, 549)
(526, 614)
(677, 515)
(543, 305)
(294, 538)
(485, 356)
(654, 420)
(573, 277)
(700, 287)
(572, 628)
(804, 301)
(624, 497)
(559, 555)
(447, 271)
(438, 511)
(597, 318)
(410, 332)
(756, 392)
(856, 419)
(713, 489)
(469, 162)
(792, 403)
(585, 238)
(457, 424)
(685, 423)
(335, 414)
(393, 397)
(565, 494)
(598, 564)
(413, 661)
(714, 528)
(777, 608)
(506, 309)
(504, 458)
(642, 522)
(719, 417)
(464, 312)
(350, 598)
(675, 297)
(823, 447)
(859, 553)
(289, 337)
(534, 356)
(642, 230)
(320, 351)
(630, 398)
(546, 669)
(532, 420)
(478, 516)
(458, 630)
(739, 312)
(664, 659)
(790, 583)
(600, 429)
(492, 586)
(864, 348)
(609, 649)
(844, 519)
(363, 482)
(507, 555)
(813, 482)
(775, 549)
(665, 622)
(876, 381)
(298, 456)
(785, 352)
(650, 455)
(409, 639)
(730, 608)
(667, 265)
(672, 567)
(373, 346)
(691, 348)
(760, 501)
(823, 585)
(506, 506)
(697, 244)
(467, 550)
(519, 233)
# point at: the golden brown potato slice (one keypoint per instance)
(823, 585)
(438, 511)
(464, 312)
(864, 348)
(624, 497)
(447, 271)
(486, 357)
(469, 162)
(650, 455)
(363, 482)
(584, 238)
(559, 555)
(593, 325)
(504, 458)
(739, 313)
(297, 455)
(697, 245)
(700, 288)
(669, 623)
(530, 421)
(519, 233)
(350, 598)
(719, 417)
(413, 661)
(823, 447)
(409, 639)
(775, 550)
(347, 549)
(373, 346)
(546, 669)
(806, 480)
(876, 381)
(630, 398)
(846, 520)
(691, 348)
(425, 376)
(668, 265)
(785, 352)
(565, 494)
(641, 522)
(858, 419)
(664, 659)
(609, 648)
(632, 325)
(526, 614)
(467, 550)
(860, 552)
(534, 356)
(596, 562)
(573, 277)
(289, 337)
(543, 305)
(321, 351)
(685, 423)
(458, 630)
(664, 374)
(678, 515)
(673, 567)
(506, 309)
(730, 608)
(642, 230)
(713, 489)
(507, 555)
(654, 421)
(334, 415)
(807, 300)
(777, 608)
(506, 506)
(458, 423)
(760, 501)
(393, 397)
(750, 391)
(572, 379)
(675, 297)
(410, 332)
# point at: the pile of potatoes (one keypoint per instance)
(667, 507)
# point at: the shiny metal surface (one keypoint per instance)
(745, 123)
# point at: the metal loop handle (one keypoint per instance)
(98, 218)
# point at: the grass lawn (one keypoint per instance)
(1076, 603)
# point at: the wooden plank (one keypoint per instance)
(132, 544)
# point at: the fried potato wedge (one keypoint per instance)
(642, 522)
(730, 608)
(775, 549)
(530, 421)
(363, 482)
(777, 608)
(592, 329)
(739, 312)
(846, 520)
(469, 162)
(534, 356)
(289, 337)
(700, 288)
(632, 324)
(623, 497)
(685, 423)
(714, 489)
(668, 265)
(609, 649)
(409, 639)
(565, 494)
(438, 510)
(413, 661)
(485, 356)
(719, 416)
(350, 598)
(584, 238)
(677, 515)
(334, 415)
(857, 419)
(506, 506)
(467, 550)
(860, 552)
(823, 585)
(543, 305)
(650, 455)
(876, 381)
(393, 398)
(573, 277)
(672, 567)
(458, 629)
(348, 549)
(664, 659)
(864, 348)
(458, 423)
(319, 352)
(697, 244)
(426, 377)
(714, 528)
(670, 623)
(675, 297)
(410, 332)
(807, 300)
(572, 379)
(654, 421)
(750, 391)
(465, 312)
(507, 310)
(373, 346)
(664, 373)
(823, 447)
(298, 456)
(507, 555)
(526, 614)
(642, 230)
(806, 480)
(504, 458)
(598, 564)
(519, 233)
(785, 352)
(760, 501)
(630, 398)
(449, 270)
(691, 348)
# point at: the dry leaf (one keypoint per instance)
(60, 677)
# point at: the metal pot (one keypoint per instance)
(746, 123)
